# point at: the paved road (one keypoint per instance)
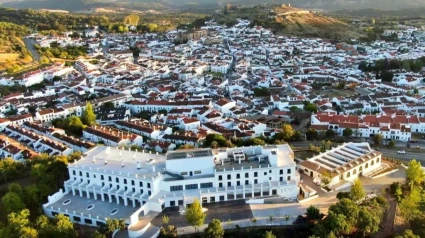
(29, 43)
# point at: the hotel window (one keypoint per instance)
(132, 182)
(73, 172)
(176, 188)
(281, 171)
(246, 182)
(246, 175)
(149, 185)
(191, 186)
(206, 185)
(149, 193)
(229, 184)
(255, 181)
(81, 174)
(140, 184)
(220, 177)
(125, 181)
(238, 176)
(229, 176)
(117, 180)
(288, 178)
(197, 172)
(220, 185)
(255, 174)
(101, 177)
(289, 171)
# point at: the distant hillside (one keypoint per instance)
(411, 12)
(293, 21)
(74, 5)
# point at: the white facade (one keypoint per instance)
(138, 182)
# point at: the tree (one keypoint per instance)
(108, 105)
(16, 188)
(347, 132)
(342, 195)
(391, 144)
(97, 234)
(377, 139)
(347, 208)
(165, 219)
(131, 20)
(294, 109)
(269, 234)
(311, 107)
(387, 76)
(414, 174)
(330, 134)
(287, 132)
(408, 234)
(214, 145)
(357, 191)
(74, 126)
(111, 226)
(218, 138)
(313, 213)
(18, 225)
(367, 222)
(194, 214)
(363, 66)
(337, 223)
(88, 117)
(311, 134)
(12, 202)
(214, 229)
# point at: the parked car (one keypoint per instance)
(401, 152)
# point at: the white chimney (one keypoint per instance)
(153, 168)
(122, 163)
(239, 160)
(222, 162)
(138, 165)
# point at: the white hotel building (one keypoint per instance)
(111, 183)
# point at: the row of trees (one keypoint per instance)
(350, 216)
(287, 134)
(68, 52)
(411, 198)
(393, 64)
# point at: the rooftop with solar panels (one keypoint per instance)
(341, 158)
